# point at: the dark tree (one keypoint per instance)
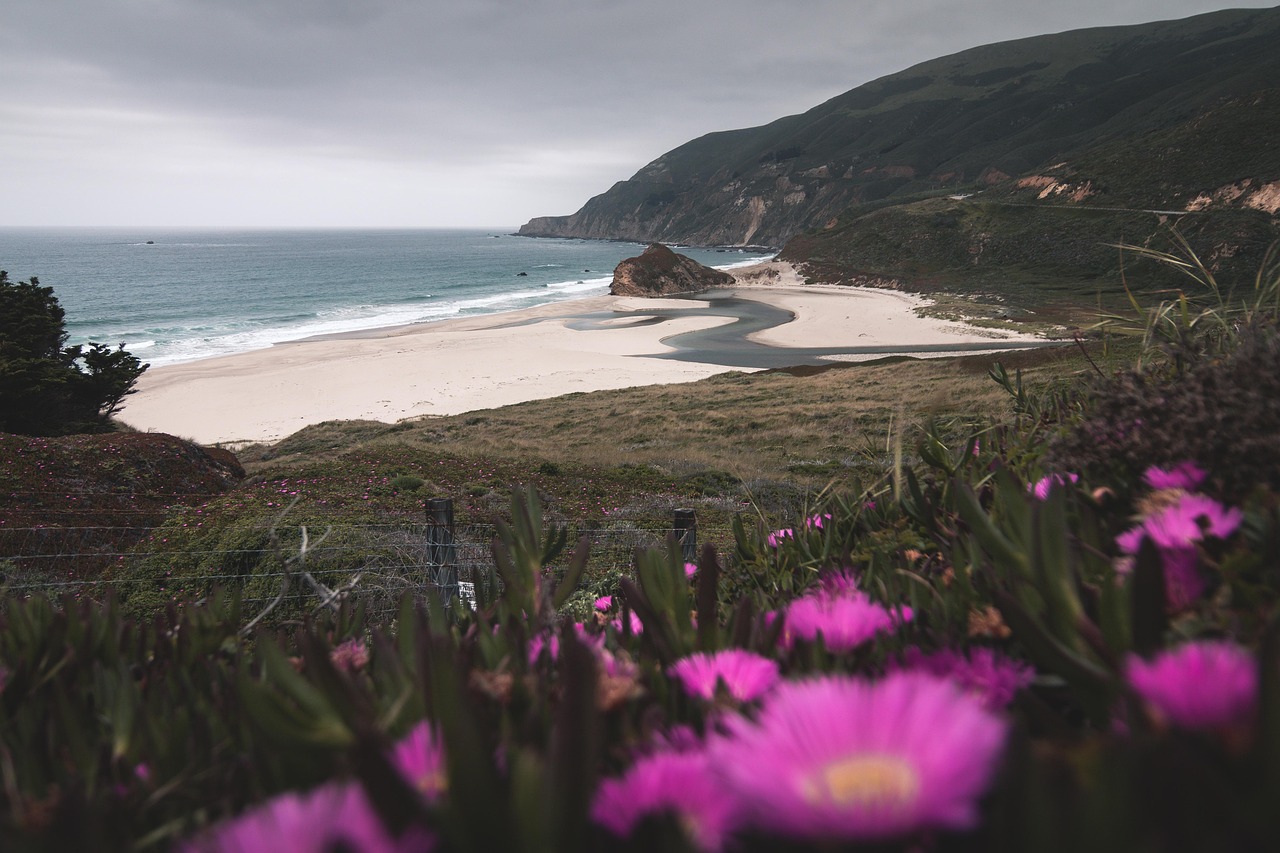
(47, 387)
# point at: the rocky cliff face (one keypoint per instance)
(658, 271)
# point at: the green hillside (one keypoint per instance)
(1155, 116)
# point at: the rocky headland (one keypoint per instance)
(658, 271)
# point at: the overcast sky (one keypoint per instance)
(429, 113)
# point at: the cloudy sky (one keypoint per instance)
(429, 112)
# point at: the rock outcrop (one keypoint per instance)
(658, 271)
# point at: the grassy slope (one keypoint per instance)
(737, 436)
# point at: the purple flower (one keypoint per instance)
(1174, 530)
(982, 672)
(637, 625)
(351, 656)
(775, 538)
(840, 582)
(745, 675)
(331, 817)
(844, 621)
(1040, 488)
(1190, 519)
(1210, 684)
(1184, 475)
(841, 758)
(419, 757)
(551, 642)
(677, 783)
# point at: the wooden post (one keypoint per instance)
(442, 549)
(686, 530)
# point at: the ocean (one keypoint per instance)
(176, 294)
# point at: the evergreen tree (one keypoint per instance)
(47, 387)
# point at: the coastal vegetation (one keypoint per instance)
(1040, 619)
(47, 387)
(994, 603)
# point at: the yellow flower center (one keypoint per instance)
(433, 782)
(859, 781)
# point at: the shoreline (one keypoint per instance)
(768, 318)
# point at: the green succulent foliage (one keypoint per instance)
(123, 733)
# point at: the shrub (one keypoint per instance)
(406, 483)
(47, 387)
(1222, 412)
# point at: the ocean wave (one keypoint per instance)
(177, 306)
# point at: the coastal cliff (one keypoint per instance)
(1132, 126)
(658, 271)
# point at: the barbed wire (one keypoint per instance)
(388, 550)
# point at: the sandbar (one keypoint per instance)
(768, 318)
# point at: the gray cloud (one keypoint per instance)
(367, 112)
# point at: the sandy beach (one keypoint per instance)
(588, 344)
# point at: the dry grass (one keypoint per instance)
(808, 425)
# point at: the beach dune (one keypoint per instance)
(466, 364)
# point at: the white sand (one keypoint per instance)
(462, 365)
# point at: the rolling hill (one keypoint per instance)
(936, 172)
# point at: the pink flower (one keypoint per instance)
(677, 783)
(637, 626)
(616, 666)
(690, 569)
(551, 642)
(1042, 486)
(1189, 520)
(844, 621)
(1185, 475)
(419, 757)
(745, 675)
(351, 656)
(331, 817)
(982, 672)
(775, 538)
(1174, 530)
(840, 582)
(840, 758)
(1210, 684)
(604, 602)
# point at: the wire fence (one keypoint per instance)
(293, 571)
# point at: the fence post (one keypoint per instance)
(686, 530)
(442, 550)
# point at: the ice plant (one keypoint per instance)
(419, 757)
(839, 758)
(336, 816)
(745, 675)
(637, 626)
(776, 537)
(1211, 684)
(1040, 488)
(818, 521)
(1174, 529)
(681, 784)
(604, 603)
(844, 620)
(351, 656)
(841, 582)
(1185, 475)
(991, 677)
